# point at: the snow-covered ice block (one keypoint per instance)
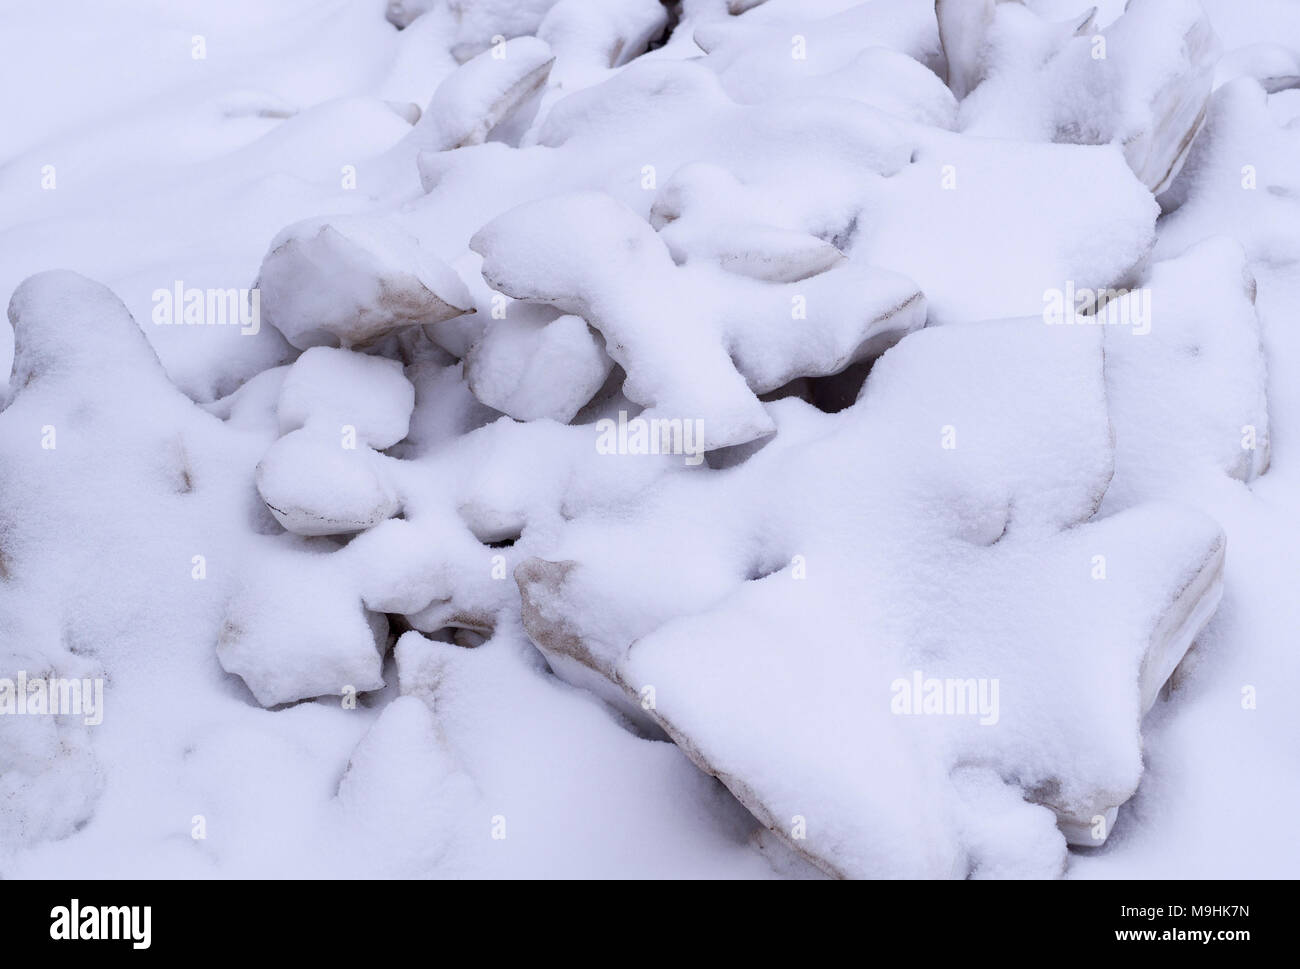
(777, 48)
(781, 646)
(867, 54)
(696, 344)
(1240, 179)
(316, 484)
(883, 79)
(482, 93)
(902, 196)
(1166, 83)
(66, 324)
(533, 363)
(1061, 214)
(338, 389)
(296, 627)
(399, 570)
(1185, 374)
(476, 506)
(350, 280)
(1141, 83)
(432, 571)
(480, 22)
(703, 212)
(592, 40)
(590, 35)
(1062, 475)
(963, 33)
(1274, 66)
(633, 131)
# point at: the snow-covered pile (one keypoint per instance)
(738, 438)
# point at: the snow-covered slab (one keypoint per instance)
(952, 543)
(325, 476)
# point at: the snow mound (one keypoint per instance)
(108, 474)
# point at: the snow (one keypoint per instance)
(1142, 82)
(1189, 397)
(352, 281)
(315, 485)
(512, 367)
(677, 333)
(324, 643)
(338, 387)
(482, 92)
(635, 411)
(784, 714)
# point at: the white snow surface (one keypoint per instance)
(641, 405)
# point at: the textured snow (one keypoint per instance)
(402, 578)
